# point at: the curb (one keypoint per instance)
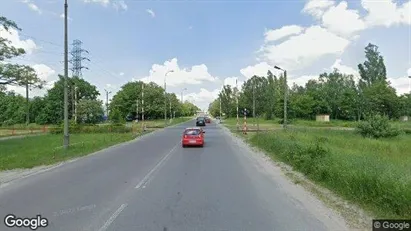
(26, 172)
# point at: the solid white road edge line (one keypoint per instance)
(149, 174)
(113, 217)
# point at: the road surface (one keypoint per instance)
(155, 184)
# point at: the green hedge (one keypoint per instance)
(76, 129)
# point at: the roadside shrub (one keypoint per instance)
(289, 121)
(376, 127)
(77, 129)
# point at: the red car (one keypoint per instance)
(193, 137)
(208, 120)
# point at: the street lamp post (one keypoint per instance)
(66, 139)
(285, 96)
(409, 80)
(165, 98)
(182, 92)
(236, 97)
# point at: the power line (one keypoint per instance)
(41, 40)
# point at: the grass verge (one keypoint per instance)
(374, 174)
(34, 151)
(272, 124)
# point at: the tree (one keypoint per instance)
(373, 69)
(52, 112)
(14, 74)
(90, 111)
(124, 101)
(12, 108)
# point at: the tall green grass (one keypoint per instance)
(376, 174)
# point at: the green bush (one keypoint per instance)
(289, 121)
(76, 129)
(377, 126)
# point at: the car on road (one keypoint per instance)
(200, 121)
(207, 120)
(193, 137)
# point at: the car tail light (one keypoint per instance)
(185, 136)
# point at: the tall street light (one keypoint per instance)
(409, 79)
(66, 139)
(182, 92)
(285, 95)
(236, 97)
(165, 97)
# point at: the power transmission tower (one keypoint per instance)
(77, 58)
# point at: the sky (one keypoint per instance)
(198, 46)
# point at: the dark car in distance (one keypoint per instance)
(200, 121)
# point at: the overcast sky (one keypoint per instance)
(211, 43)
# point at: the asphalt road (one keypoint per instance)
(155, 184)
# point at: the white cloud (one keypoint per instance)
(195, 75)
(259, 69)
(386, 13)
(120, 5)
(204, 96)
(43, 71)
(231, 81)
(342, 21)
(402, 84)
(409, 72)
(121, 73)
(316, 8)
(102, 2)
(301, 80)
(62, 16)
(12, 35)
(345, 69)
(151, 12)
(32, 6)
(285, 31)
(302, 50)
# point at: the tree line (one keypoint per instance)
(83, 103)
(336, 94)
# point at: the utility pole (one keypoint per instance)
(285, 95)
(220, 108)
(285, 98)
(66, 139)
(142, 106)
(182, 92)
(165, 98)
(107, 93)
(236, 96)
(137, 109)
(409, 77)
(165, 104)
(254, 99)
(27, 101)
(75, 103)
(171, 115)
